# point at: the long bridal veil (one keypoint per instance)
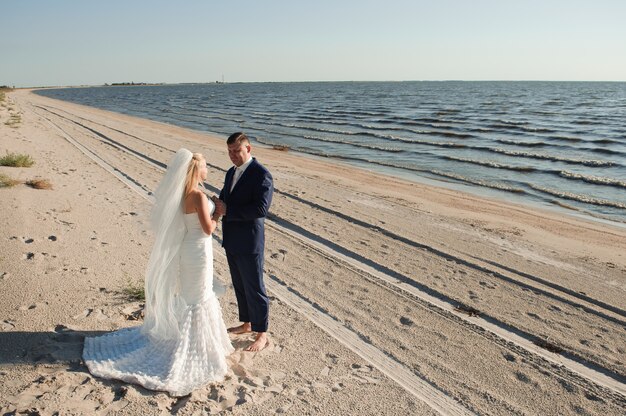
(168, 224)
(183, 343)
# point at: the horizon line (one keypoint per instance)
(142, 83)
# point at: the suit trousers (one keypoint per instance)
(246, 271)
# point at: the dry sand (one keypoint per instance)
(387, 296)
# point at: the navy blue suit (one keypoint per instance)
(243, 239)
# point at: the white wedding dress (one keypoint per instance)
(196, 355)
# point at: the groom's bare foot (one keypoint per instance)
(241, 329)
(259, 343)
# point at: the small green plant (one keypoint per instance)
(17, 160)
(134, 292)
(7, 181)
(39, 183)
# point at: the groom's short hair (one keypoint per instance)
(238, 138)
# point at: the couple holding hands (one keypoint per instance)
(183, 342)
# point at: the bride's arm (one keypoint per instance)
(204, 213)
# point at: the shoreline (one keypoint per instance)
(337, 239)
(555, 207)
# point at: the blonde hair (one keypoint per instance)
(192, 180)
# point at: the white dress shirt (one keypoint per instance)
(239, 170)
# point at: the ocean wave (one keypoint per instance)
(423, 142)
(429, 120)
(607, 141)
(566, 138)
(343, 141)
(513, 122)
(586, 122)
(450, 134)
(523, 144)
(586, 162)
(478, 182)
(361, 145)
(536, 129)
(447, 111)
(352, 112)
(580, 198)
(314, 128)
(597, 180)
(491, 164)
(263, 114)
(513, 153)
(500, 125)
(367, 131)
(603, 151)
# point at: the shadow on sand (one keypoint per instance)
(61, 346)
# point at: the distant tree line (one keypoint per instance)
(117, 84)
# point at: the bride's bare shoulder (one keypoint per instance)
(198, 197)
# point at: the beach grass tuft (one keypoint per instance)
(14, 120)
(134, 292)
(17, 160)
(6, 181)
(39, 183)
(3, 90)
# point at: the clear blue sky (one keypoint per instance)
(73, 42)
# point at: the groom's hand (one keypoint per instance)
(220, 206)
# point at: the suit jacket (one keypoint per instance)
(247, 206)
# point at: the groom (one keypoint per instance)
(246, 196)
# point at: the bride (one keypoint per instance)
(183, 343)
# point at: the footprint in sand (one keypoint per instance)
(283, 409)
(244, 383)
(101, 316)
(523, 377)
(534, 315)
(300, 391)
(332, 358)
(67, 393)
(278, 256)
(133, 312)
(510, 357)
(85, 313)
(8, 325)
(337, 387)
(363, 373)
(406, 321)
(33, 306)
(488, 285)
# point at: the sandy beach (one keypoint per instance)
(388, 297)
